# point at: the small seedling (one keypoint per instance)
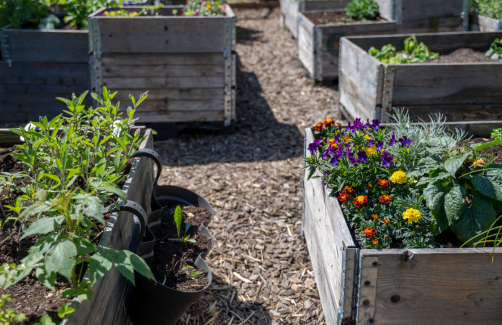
(193, 274)
(178, 217)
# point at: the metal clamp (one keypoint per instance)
(366, 300)
(152, 154)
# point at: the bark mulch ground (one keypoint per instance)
(262, 270)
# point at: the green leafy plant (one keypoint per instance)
(8, 277)
(178, 217)
(205, 8)
(78, 10)
(496, 134)
(488, 8)
(18, 12)
(362, 9)
(495, 51)
(413, 52)
(187, 269)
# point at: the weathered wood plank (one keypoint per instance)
(426, 9)
(45, 74)
(137, 71)
(164, 82)
(8, 138)
(306, 44)
(360, 80)
(42, 89)
(386, 9)
(327, 235)
(457, 112)
(165, 59)
(152, 34)
(442, 25)
(165, 106)
(489, 24)
(445, 84)
(62, 46)
(325, 5)
(180, 116)
(438, 286)
(170, 94)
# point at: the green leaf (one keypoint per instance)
(45, 320)
(45, 279)
(453, 163)
(91, 207)
(116, 160)
(187, 226)
(43, 226)
(61, 258)
(178, 216)
(481, 146)
(83, 291)
(68, 293)
(99, 264)
(486, 187)
(434, 197)
(84, 246)
(311, 173)
(53, 177)
(65, 310)
(123, 263)
(454, 202)
(475, 219)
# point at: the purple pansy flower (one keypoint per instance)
(386, 159)
(334, 160)
(354, 160)
(370, 142)
(392, 140)
(375, 125)
(329, 152)
(367, 125)
(313, 146)
(362, 156)
(405, 142)
(379, 145)
(347, 129)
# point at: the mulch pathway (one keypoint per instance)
(263, 273)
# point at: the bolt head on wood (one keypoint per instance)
(375, 264)
(366, 302)
(371, 321)
(367, 283)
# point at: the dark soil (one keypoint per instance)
(335, 18)
(492, 154)
(172, 256)
(463, 55)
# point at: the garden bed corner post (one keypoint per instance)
(96, 55)
(5, 45)
(230, 66)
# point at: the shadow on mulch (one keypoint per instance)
(222, 303)
(255, 136)
(247, 36)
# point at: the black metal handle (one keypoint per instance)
(152, 154)
(139, 213)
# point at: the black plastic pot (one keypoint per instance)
(154, 303)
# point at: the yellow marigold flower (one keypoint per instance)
(399, 177)
(367, 137)
(371, 151)
(208, 7)
(374, 216)
(413, 215)
(478, 162)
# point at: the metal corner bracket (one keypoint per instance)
(317, 54)
(5, 44)
(366, 297)
(229, 39)
(96, 55)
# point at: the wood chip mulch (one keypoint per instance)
(262, 270)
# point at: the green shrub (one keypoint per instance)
(362, 9)
(488, 8)
(413, 52)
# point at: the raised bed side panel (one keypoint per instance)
(427, 9)
(360, 82)
(291, 11)
(330, 246)
(330, 40)
(489, 24)
(324, 5)
(187, 64)
(306, 44)
(107, 304)
(431, 286)
(33, 45)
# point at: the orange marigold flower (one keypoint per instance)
(383, 183)
(369, 232)
(374, 216)
(345, 137)
(370, 185)
(361, 201)
(375, 242)
(349, 189)
(338, 124)
(342, 197)
(328, 122)
(385, 199)
(332, 142)
(319, 127)
(386, 220)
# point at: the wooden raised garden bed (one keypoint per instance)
(485, 24)
(318, 42)
(291, 10)
(460, 91)
(36, 67)
(110, 295)
(395, 286)
(186, 63)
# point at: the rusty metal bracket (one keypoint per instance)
(229, 55)
(388, 89)
(366, 300)
(96, 56)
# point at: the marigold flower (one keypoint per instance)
(345, 137)
(478, 162)
(385, 220)
(369, 232)
(385, 199)
(413, 215)
(399, 177)
(375, 242)
(361, 201)
(367, 137)
(338, 124)
(348, 189)
(374, 216)
(319, 127)
(370, 185)
(342, 197)
(332, 142)
(383, 183)
(328, 122)
(208, 6)
(371, 151)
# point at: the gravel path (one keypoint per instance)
(263, 273)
